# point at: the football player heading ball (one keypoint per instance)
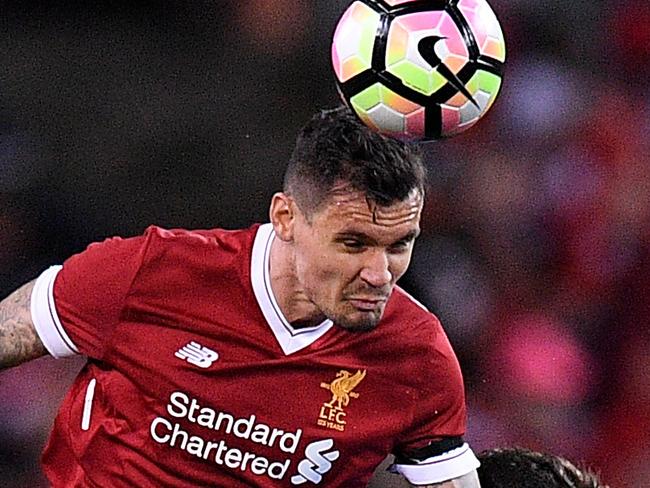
(279, 355)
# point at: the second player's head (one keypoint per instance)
(522, 468)
(349, 215)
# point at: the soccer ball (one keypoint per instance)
(419, 69)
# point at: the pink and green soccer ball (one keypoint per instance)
(419, 69)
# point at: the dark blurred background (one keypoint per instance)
(535, 250)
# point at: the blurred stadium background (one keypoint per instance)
(536, 244)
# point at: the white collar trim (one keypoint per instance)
(290, 339)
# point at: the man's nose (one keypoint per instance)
(376, 271)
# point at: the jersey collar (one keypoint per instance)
(290, 339)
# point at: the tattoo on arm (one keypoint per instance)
(19, 341)
(470, 480)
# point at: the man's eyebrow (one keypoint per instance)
(347, 234)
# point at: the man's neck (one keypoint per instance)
(299, 311)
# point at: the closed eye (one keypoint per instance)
(353, 244)
(401, 246)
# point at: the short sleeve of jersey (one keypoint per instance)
(75, 307)
(433, 450)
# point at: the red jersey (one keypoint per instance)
(195, 378)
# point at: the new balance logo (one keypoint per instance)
(317, 462)
(198, 355)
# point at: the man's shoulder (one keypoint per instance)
(415, 337)
(410, 323)
(170, 241)
(201, 236)
(199, 255)
(406, 309)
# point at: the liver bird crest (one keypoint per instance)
(342, 388)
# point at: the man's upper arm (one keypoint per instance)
(19, 341)
(470, 480)
(432, 450)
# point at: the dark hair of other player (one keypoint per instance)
(522, 468)
(334, 147)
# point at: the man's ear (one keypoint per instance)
(283, 216)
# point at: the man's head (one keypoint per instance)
(347, 219)
(334, 148)
(522, 468)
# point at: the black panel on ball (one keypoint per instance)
(432, 121)
(416, 6)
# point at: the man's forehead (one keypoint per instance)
(356, 206)
(341, 197)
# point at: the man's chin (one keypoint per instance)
(358, 324)
(359, 328)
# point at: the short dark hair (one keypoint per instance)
(334, 147)
(523, 468)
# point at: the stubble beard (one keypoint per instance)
(358, 327)
(366, 323)
(344, 317)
